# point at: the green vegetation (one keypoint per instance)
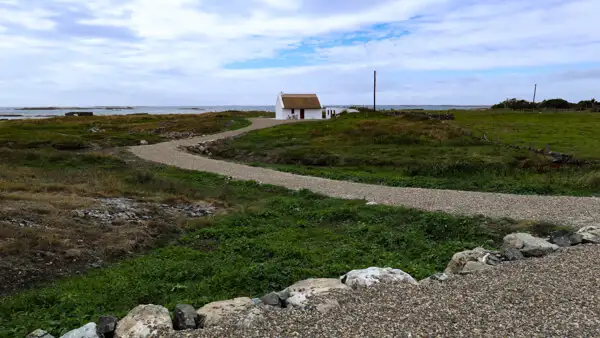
(73, 133)
(416, 152)
(551, 104)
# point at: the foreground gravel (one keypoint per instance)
(553, 296)
(577, 211)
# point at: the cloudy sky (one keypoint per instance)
(218, 52)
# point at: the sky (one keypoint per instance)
(244, 52)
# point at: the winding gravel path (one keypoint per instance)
(577, 211)
(552, 296)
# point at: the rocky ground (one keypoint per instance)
(48, 236)
(553, 296)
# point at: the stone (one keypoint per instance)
(565, 238)
(107, 326)
(143, 142)
(213, 313)
(86, 331)
(374, 275)
(284, 295)
(327, 305)
(460, 259)
(511, 254)
(371, 203)
(272, 299)
(590, 234)
(39, 333)
(248, 319)
(471, 267)
(301, 292)
(144, 321)
(436, 277)
(529, 245)
(185, 317)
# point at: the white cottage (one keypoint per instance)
(298, 107)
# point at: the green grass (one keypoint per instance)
(73, 133)
(569, 132)
(274, 238)
(411, 152)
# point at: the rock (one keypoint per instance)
(460, 259)
(144, 321)
(565, 238)
(248, 319)
(86, 331)
(471, 267)
(256, 301)
(284, 295)
(590, 234)
(374, 275)
(436, 277)
(302, 291)
(106, 326)
(213, 313)
(272, 299)
(143, 142)
(511, 254)
(39, 333)
(529, 245)
(371, 203)
(327, 305)
(185, 317)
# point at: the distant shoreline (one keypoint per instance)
(76, 108)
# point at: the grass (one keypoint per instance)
(264, 239)
(412, 152)
(73, 133)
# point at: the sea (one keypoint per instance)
(16, 113)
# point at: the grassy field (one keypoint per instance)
(568, 132)
(264, 238)
(412, 152)
(75, 133)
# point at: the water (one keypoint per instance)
(10, 113)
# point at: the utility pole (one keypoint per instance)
(534, 92)
(374, 90)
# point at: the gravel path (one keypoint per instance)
(577, 211)
(554, 296)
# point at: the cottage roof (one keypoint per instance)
(300, 101)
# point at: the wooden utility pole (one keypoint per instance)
(534, 92)
(374, 90)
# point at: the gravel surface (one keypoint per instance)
(554, 296)
(577, 211)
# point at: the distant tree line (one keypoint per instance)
(548, 104)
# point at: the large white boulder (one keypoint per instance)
(213, 313)
(374, 275)
(590, 234)
(301, 292)
(469, 261)
(86, 331)
(529, 245)
(144, 321)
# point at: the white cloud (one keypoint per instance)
(177, 51)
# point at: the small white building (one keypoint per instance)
(298, 107)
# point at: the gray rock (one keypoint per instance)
(460, 259)
(590, 234)
(272, 299)
(143, 142)
(107, 326)
(374, 275)
(529, 245)
(185, 317)
(212, 314)
(144, 321)
(302, 291)
(86, 331)
(39, 333)
(565, 238)
(511, 254)
(471, 267)
(284, 294)
(256, 301)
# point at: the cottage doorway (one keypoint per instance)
(301, 114)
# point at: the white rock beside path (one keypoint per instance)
(529, 245)
(302, 291)
(469, 261)
(144, 321)
(86, 331)
(374, 275)
(590, 234)
(213, 313)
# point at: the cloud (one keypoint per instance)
(182, 52)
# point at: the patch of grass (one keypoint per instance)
(410, 152)
(74, 133)
(275, 237)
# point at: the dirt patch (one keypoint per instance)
(45, 236)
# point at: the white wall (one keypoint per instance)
(279, 111)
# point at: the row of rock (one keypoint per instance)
(152, 320)
(202, 148)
